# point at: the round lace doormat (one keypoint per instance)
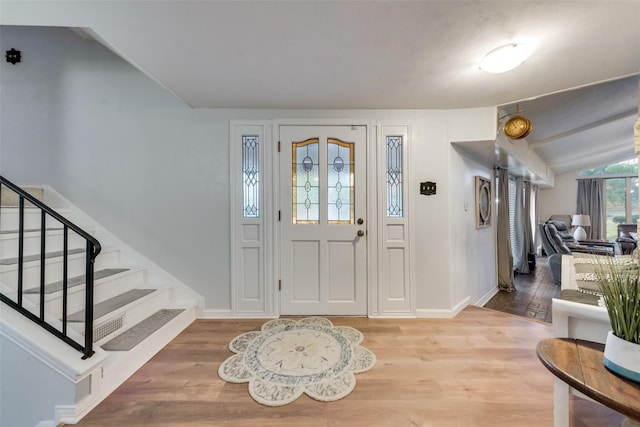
(287, 358)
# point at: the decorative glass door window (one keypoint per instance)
(250, 176)
(338, 179)
(394, 177)
(305, 179)
(340, 182)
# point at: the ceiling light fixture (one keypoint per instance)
(505, 58)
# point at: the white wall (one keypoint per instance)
(155, 172)
(561, 199)
(473, 264)
(30, 402)
(28, 98)
(428, 155)
(124, 150)
(472, 251)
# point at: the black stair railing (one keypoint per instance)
(92, 250)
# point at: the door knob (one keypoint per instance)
(360, 233)
(360, 221)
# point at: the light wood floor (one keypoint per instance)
(479, 369)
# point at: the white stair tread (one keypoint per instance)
(76, 281)
(111, 304)
(137, 333)
(35, 257)
(30, 230)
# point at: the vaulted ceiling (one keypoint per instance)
(384, 55)
(585, 127)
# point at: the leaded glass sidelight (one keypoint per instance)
(340, 182)
(250, 176)
(305, 179)
(394, 177)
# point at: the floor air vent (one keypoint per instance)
(108, 327)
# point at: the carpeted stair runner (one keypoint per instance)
(132, 337)
(76, 281)
(36, 257)
(111, 304)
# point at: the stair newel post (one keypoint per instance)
(88, 333)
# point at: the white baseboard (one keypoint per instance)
(485, 299)
(392, 316)
(71, 414)
(212, 313)
(443, 313)
(67, 414)
(46, 424)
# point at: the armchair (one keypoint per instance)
(554, 258)
(627, 238)
(557, 242)
(564, 232)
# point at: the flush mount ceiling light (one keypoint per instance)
(505, 58)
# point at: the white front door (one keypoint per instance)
(323, 251)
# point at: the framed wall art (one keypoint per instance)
(483, 202)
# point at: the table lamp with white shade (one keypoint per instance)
(580, 221)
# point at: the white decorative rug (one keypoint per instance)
(287, 358)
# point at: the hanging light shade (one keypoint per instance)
(505, 58)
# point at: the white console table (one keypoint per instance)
(572, 319)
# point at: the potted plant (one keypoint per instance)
(620, 287)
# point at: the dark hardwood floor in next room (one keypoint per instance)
(533, 294)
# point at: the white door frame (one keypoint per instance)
(333, 274)
(255, 242)
(371, 211)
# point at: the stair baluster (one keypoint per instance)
(93, 248)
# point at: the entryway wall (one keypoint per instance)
(163, 184)
(256, 279)
(393, 275)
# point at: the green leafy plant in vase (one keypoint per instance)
(620, 287)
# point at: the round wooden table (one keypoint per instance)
(579, 364)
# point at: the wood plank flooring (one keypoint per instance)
(478, 369)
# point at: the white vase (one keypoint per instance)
(622, 357)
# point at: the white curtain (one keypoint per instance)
(505, 257)
(523, 220)
(520, 264)
(524, 243)
(534, 209)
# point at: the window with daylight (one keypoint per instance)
(394, 177)
(621, 193)
(250, 176)
(340, 185)
(512, 215)
(621, 203)
(305, 182)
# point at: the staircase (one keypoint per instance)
(137, 309)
